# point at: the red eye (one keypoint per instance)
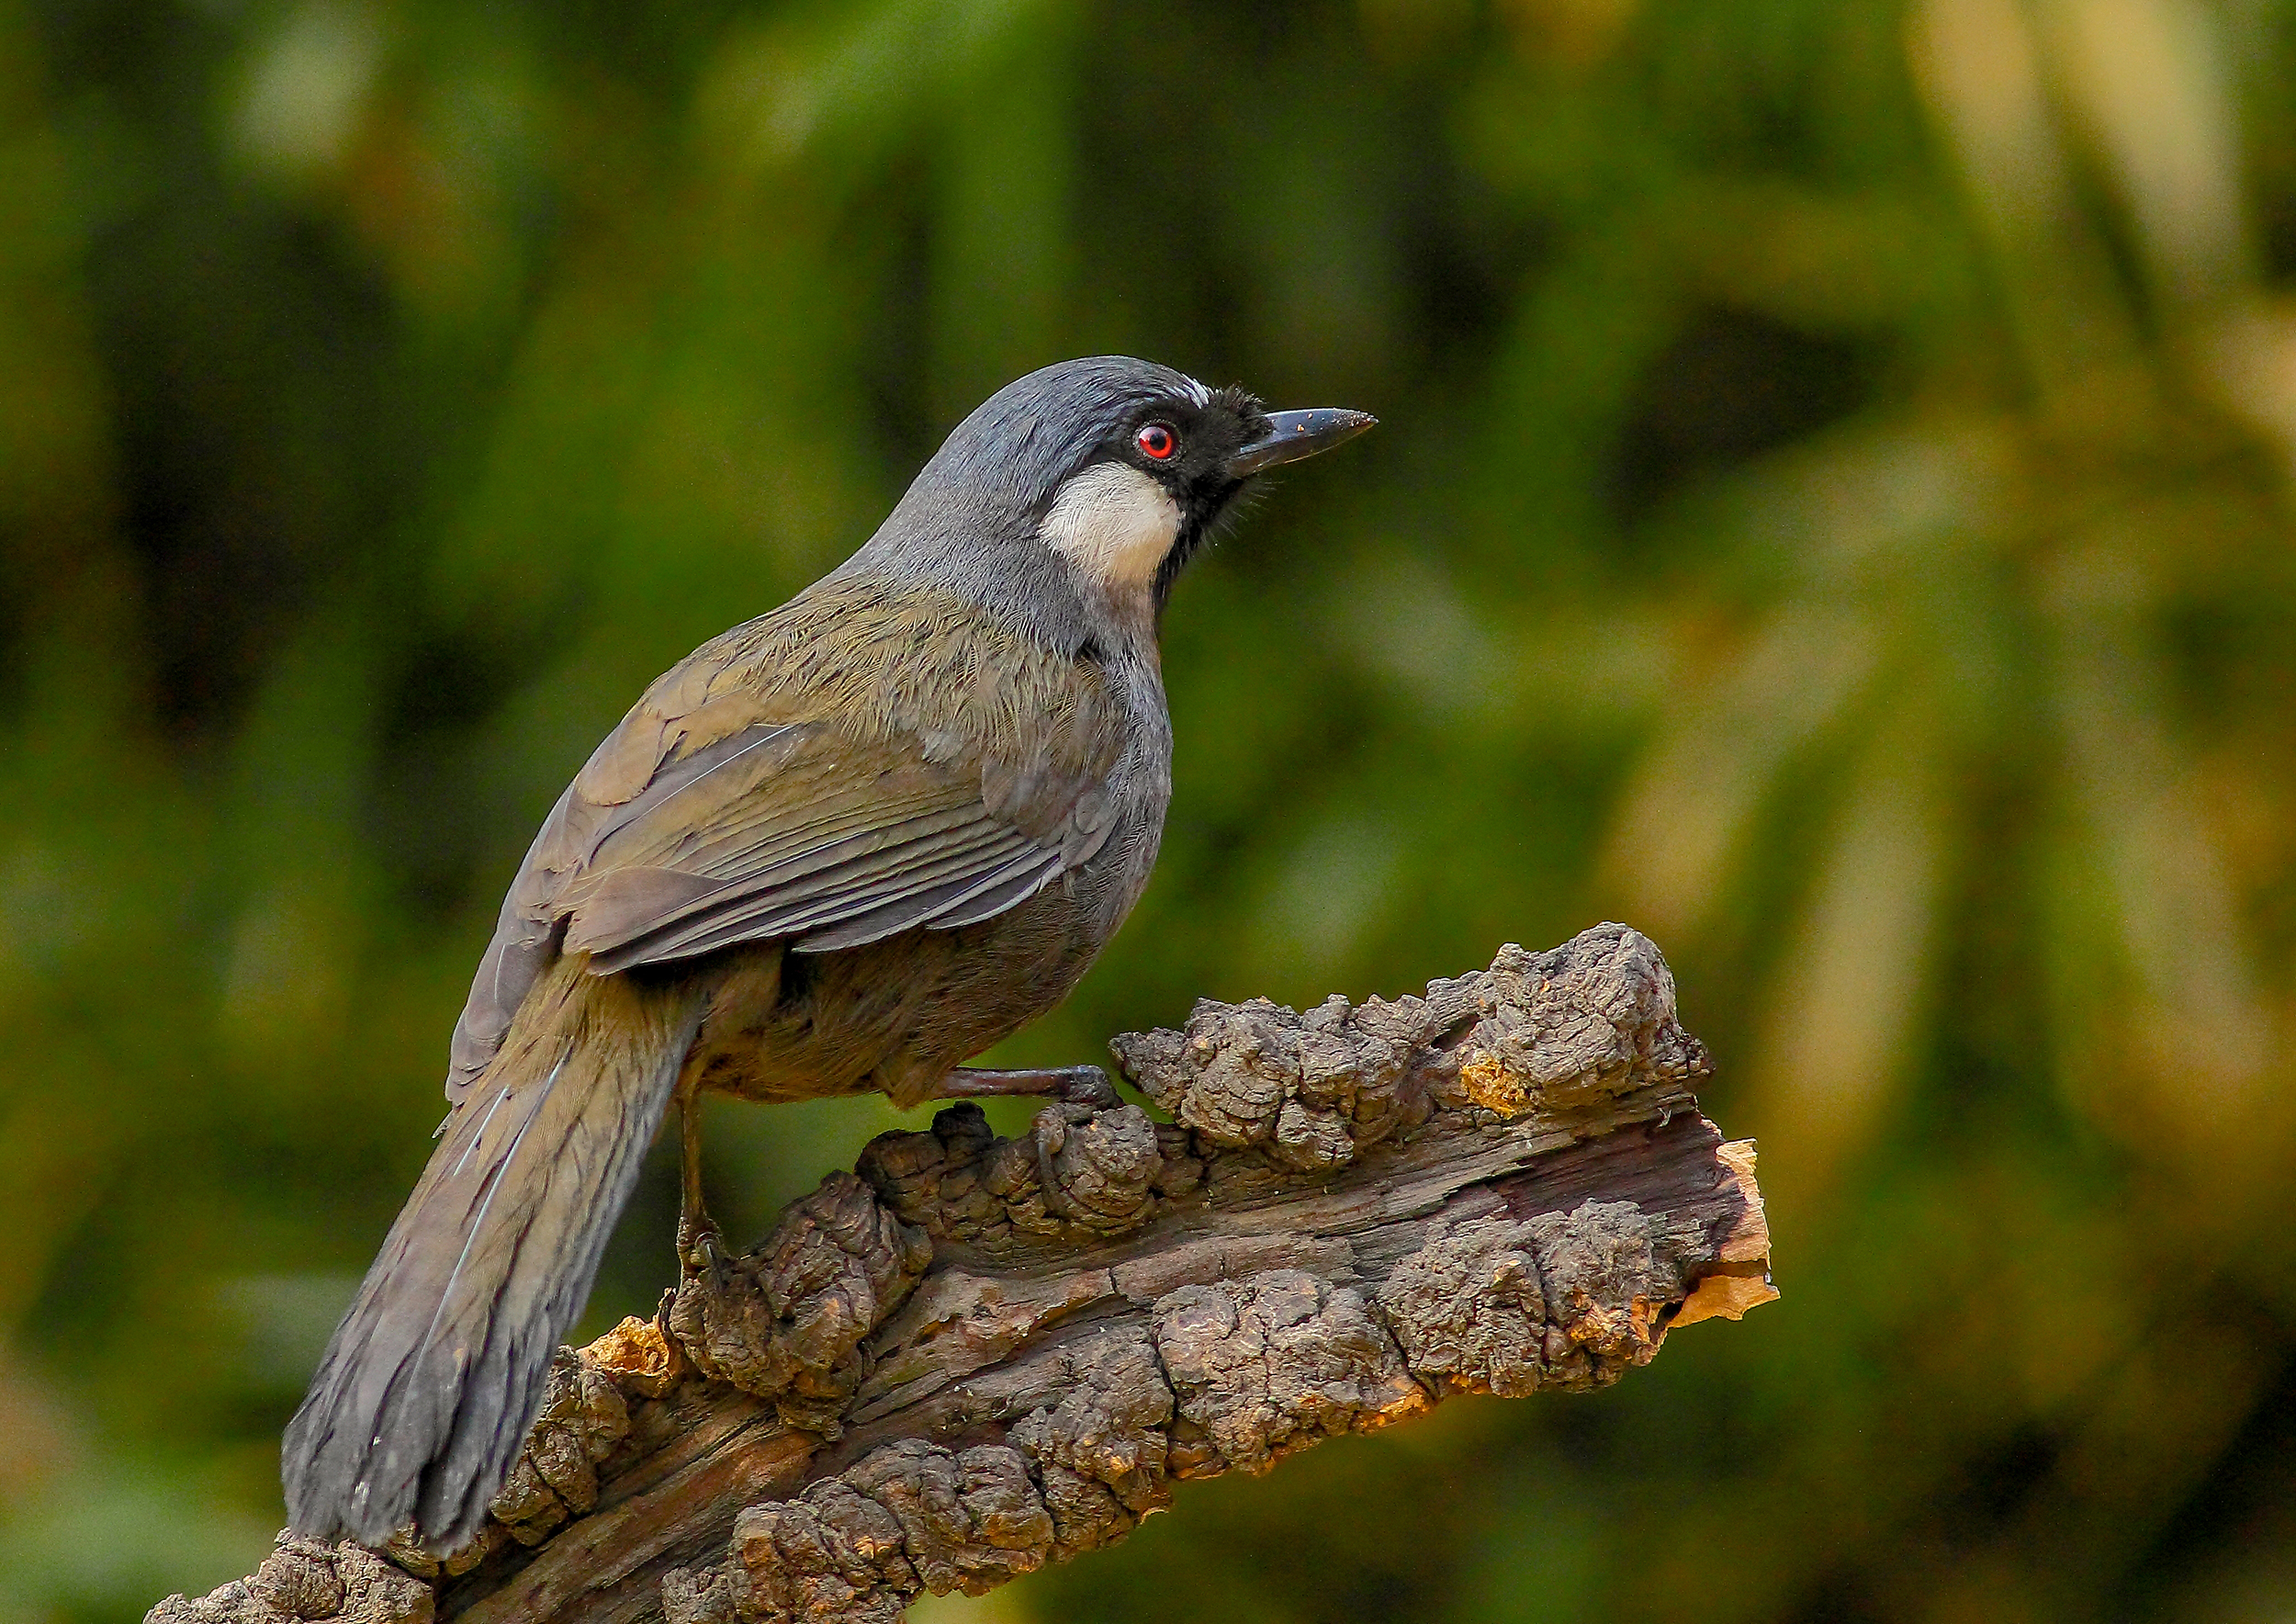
(1156, 441)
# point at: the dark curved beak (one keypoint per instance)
(1294, 434)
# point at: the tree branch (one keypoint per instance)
(973, 1356)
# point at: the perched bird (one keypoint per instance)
(840, 848)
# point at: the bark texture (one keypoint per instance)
(973, 1355)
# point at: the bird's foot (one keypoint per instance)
(1073, 1085)
(701, 1246)
(707, 1298)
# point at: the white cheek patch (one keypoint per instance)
(1114, 525)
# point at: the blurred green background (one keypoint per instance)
(1832, 511)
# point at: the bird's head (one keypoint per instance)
(1107, 472)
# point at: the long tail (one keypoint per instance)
(433, 1379)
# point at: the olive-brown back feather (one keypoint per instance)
(861, 761)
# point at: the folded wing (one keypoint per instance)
(702, 824)
(788, 830)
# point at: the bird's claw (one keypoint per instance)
(1089, 1086)
(698, 1250)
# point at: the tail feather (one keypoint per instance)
(429, 1385)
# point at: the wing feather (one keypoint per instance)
(987, 901)
(731, 806)
(959, 900)
(865, 910)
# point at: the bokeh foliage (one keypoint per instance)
(1832, 511)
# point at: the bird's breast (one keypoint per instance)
(1138, 791)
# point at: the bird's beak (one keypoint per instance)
(1294, 434)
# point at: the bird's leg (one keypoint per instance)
(1076, 1085)
(697, 1231)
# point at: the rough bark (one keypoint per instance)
(973, 1356)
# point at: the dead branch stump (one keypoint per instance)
(973, 1355)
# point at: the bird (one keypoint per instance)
(841, 848)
